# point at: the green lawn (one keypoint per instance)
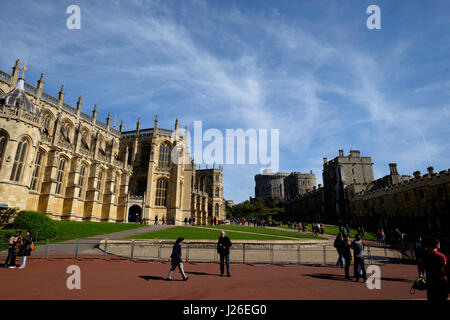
(68, 230)
(194, 233)
(265, 231)
(334, 230)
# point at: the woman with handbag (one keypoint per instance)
(27, 247)
(14, 246)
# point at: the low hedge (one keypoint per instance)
(40, 226)
(6, 234)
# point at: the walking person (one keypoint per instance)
(347, 254)
(176, 260)
(338, 244)
(14, 245)
(223, 249)
(156, 219)
(26, 249)
(358, 253)
(435, 265)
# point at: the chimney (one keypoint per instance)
(393, 169)
(430, 170)
(416, 174)
(341, 153)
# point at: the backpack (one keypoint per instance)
(419, 284)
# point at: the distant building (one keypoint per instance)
(283, 186)
(351, 195)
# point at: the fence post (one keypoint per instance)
(106, 247)
(187, 252)
(271, 253)
(47, 248)
(132, 250)
(370, 255)
(77, 249)
(324, 255)
(243, 253)
(159, 252)
(298, 254)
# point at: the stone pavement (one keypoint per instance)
(142, 281)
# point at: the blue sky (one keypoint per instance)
(309, 68)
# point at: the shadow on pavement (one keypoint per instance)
(327, 276)
(203, 273)
(147, 278)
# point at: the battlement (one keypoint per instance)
(417, 181)
(38, 95)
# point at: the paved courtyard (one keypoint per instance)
(145, 280)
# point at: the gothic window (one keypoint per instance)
(65, 132)
(60, 175)
(99, 184)
(47, 123)
(35, 179)
(164, 154)
(161, 193)
(3, 140)
(85, 140)
(81, 180)
(217, 192)
(19, 160)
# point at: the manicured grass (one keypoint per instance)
(68, 230)
(194, 233)
(265, 231)
(334, 230)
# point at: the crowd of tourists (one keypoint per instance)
(19, 246)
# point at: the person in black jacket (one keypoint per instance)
(13, 249)
(338, 242)
(26, 249)
(176, 260)
(347, 254)
(223, 249)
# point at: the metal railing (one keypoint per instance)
(197, 252)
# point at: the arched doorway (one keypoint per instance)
(135, 213)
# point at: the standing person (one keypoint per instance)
(322, 228)
(381, 236)
(358, 254)
(223, 249)
(338, 244)
(346, 253)
(363, 233)
(14, 245)
(176, 260)
(156, 219)
(347, 230)
(185, 221)
(435, 265)
(418, 249)
(26, 249)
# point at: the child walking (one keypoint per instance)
(176, 260)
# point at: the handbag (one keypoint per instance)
(32, 247)
(419, 284)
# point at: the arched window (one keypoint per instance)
(36, 177)
(100, 184)
(217, 210)
(101, 145)
(19, 160)
(60, 175)
(81, 180)
(65, 132)
(3, 141)
(47, 123)
(161, 193)
(164, 154)
(85, 140)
